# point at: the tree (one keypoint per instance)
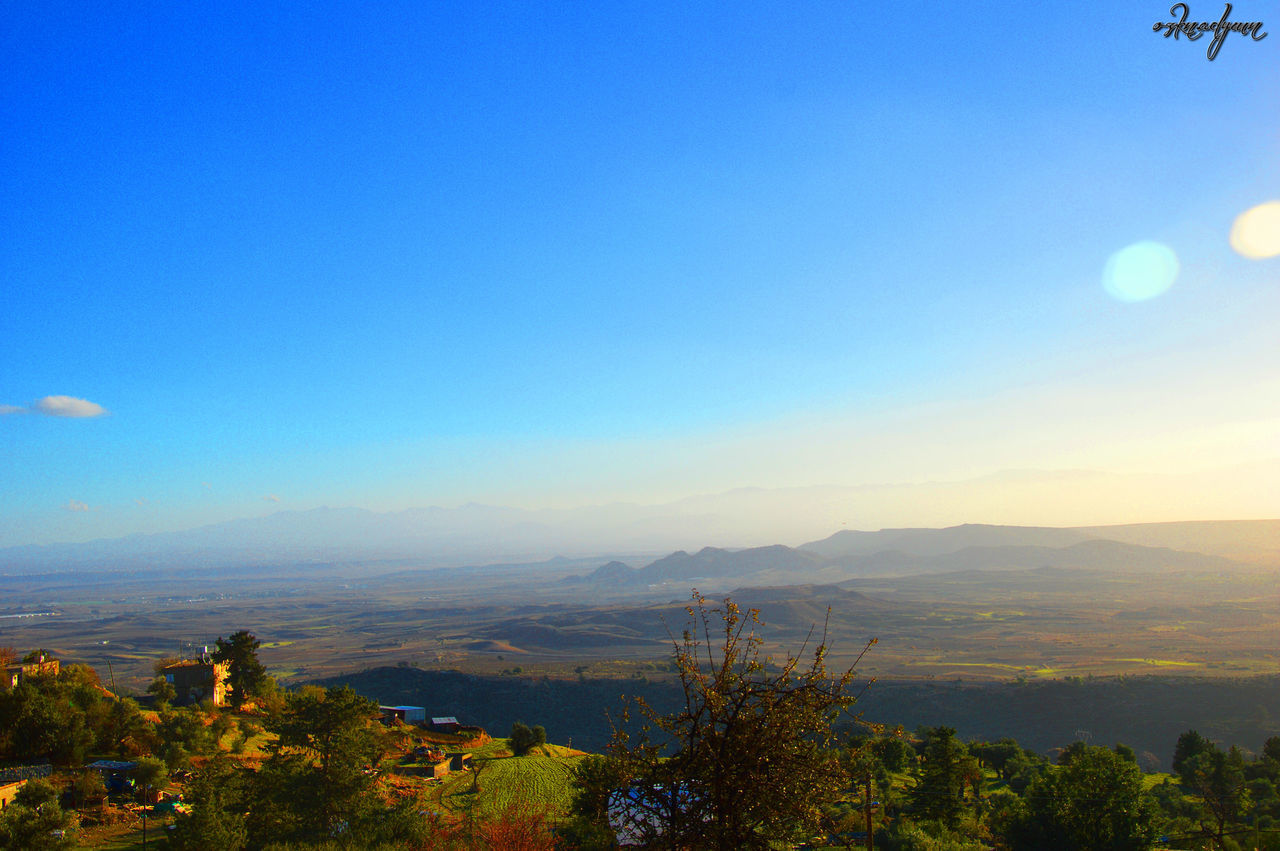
(1190, 745)
(247, 676)
(149, 773)
(216, 819)
(595, 780)
(1094, 801)
(35, 822)
(1217, 777)
(746, 760)
(939, 789)
(523, 738)
(163, 691)
(320, 779)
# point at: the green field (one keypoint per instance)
(539, 781)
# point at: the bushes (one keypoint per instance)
(524, 738)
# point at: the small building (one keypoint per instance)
(9, 791)
(43, 666)
(459, 761)
(445, 724)
(407, 714)
(197, 680)
(115, 773)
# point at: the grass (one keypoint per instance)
(1164, 663)
(540, 780)
(126, 835)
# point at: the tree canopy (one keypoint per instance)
(246, 677)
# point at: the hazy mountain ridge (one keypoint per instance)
(745, 517)
(477, 534)
(916, 551)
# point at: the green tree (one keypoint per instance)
(150, 773)
(35, 822)
(216, 820)
(1093, 802)
(940, 782)
(1218, 779)
(746, 761)
(320, 779)
(163, 691)
(246, 677)
(1190, 745)
(524, 738)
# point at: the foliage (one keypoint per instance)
(246, 677)
(1190, 745)
(1094, 801)
(320, 779)
(183, 734)
(746, 760)
(524, 738)
(945, 767)
(150, 772)
(163, 690)
(1218, 779)
(88, 788)
(216, 820)
(62, 718)
(35, 822)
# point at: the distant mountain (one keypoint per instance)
(335, 538)
(934, 542)
(1086, 555)
(1242, 540)
(1252, 540)
(711, 562)
(613, 572)
(929, 551)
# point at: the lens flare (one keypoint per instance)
(1256, 232)
(1140, 271)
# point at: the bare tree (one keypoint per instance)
(747, 760)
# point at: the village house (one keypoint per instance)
(43, 666)
(197, 680)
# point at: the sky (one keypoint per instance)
(257, 257)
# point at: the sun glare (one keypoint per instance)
(1256, 232)
(1140, 271)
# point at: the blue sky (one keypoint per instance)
(550, 255)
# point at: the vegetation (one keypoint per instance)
(746, 761)
(753, 754)
(524, 737)
(36, 821)
(247, 676)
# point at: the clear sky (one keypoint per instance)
(265, 256)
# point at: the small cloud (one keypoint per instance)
(5, 410)
(75, 505)
(68, 406)
(142, 500)
(271, 498)
(206, 486)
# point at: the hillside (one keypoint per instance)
(1145, 712)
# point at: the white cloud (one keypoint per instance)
(142, 500)
(75, 505)
(68, 406)
(58, 406)
(271, 498)
(207, 486)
